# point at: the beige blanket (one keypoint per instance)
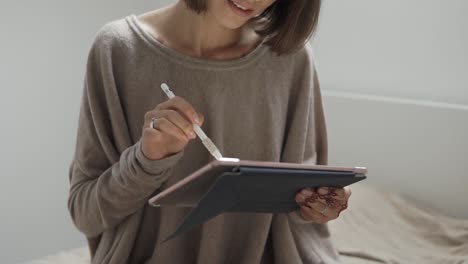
(382, 227)
(378, 228)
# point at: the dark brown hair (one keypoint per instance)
(286, 25)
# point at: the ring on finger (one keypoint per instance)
(153, 120)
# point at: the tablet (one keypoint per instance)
(267, 175)
(248, 187)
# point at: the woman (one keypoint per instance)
(242, 71)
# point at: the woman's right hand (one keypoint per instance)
(173, 128)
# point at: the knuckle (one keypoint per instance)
(146, 132)
(188, 127)
(148, 115)
(183, 138)
(151, 134)
(176, 99)
(183, 105)
(182, 101)
(186, 107)
(145, 127)
(179, 101)
(299, 198)
(189, 112)
(162, 121)
(192, 111)
(171, 114)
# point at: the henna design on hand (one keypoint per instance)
(328, 198)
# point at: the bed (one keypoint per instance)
(379, 227)
(383, 227)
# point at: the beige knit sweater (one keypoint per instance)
(258, 107)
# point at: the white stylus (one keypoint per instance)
(205, 140)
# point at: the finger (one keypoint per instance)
(327, 193)
(308, 195)
(302, 195)
(184, 108)
(327, 199)
(306, 192)
(148, 116)
(323, 190)
(300, 198)
(324, 199)
(340, 193)
(156, 137)
(347, 192)
(178, 120)
(202, 118)
(323, 209)
(153, 133)
(330, 192)
(167, 127)
(312, 215)
(318, 195)
(343, 207)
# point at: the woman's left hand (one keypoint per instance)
(322, 204)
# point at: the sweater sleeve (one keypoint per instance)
(110, 177)
(306, 137)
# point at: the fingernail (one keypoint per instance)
(192, 134)
(306, 192)
(196, 119)
(323, 190)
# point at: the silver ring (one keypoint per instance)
(324, 210)
(153, 119)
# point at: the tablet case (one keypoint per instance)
(252, 189)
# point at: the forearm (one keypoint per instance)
(100, 203)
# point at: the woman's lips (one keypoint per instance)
(239, 9)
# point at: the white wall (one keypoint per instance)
(43, 48)
(417, 149)
(396, 92)
(413, 49)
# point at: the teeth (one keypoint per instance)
(239, 6)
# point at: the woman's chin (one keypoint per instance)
(232, 23)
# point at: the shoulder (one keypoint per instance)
(303, 71)
(297, 60)
(304, 57)
(112, 35)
